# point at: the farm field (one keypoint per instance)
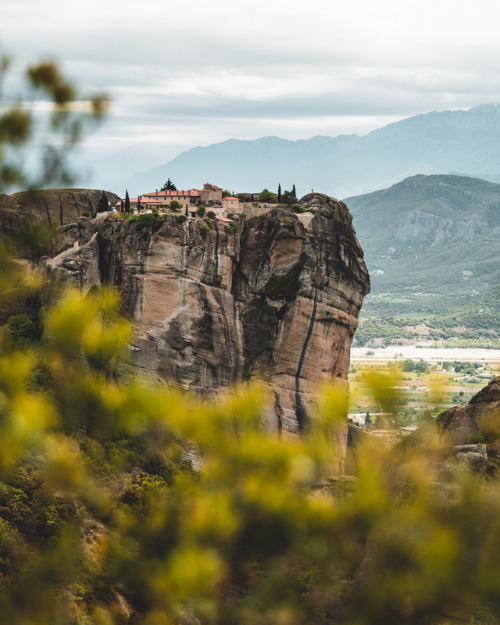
(417, 383)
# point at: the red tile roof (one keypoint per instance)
(172, 194)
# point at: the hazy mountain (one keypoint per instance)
(444, 142)
(432, 245)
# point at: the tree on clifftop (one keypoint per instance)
(103, 205)
(288, 197)
(169, 186)
(127, 202)
(279, 193)
(265, 196)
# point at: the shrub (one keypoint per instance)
(181, 219)
(421, 366)
(211, 215)
(86, 214)
(234, 226)
(146, 222)
(409, 365)
(200, 211)
(204, 229)
(475, 439)
(23, 330)
(266, 196)
(175, 205)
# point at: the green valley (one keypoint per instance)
(431, 245)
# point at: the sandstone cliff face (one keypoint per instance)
(277, 300)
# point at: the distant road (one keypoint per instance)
(424, 353)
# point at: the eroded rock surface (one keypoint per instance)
(474, 429)
(278, 299)
(480, 417)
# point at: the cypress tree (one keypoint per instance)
(127, 202)
(103, 205)
(293, 191)
(279, 193)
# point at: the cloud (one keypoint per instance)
(201, 71)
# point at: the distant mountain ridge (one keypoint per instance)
(444, 142)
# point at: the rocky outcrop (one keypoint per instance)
(479, 418)
(276, 299)
(56, 206)
(474, 429)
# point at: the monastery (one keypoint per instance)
(210, 196)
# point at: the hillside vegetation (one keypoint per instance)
(431, 245)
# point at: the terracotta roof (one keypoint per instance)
(172, 194)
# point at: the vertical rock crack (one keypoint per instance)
(300, 410)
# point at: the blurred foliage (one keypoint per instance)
(28, 124)
(126, 502)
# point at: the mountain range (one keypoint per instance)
(447, 142)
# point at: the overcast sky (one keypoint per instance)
(194, 72)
